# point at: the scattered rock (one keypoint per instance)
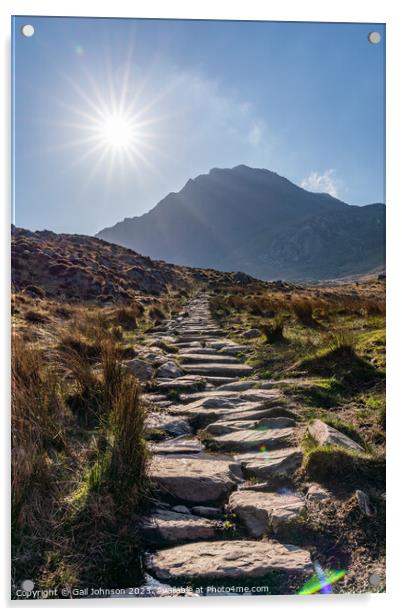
(229, 560)
(327, 435)
(263, 512)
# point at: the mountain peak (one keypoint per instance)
(256, 221)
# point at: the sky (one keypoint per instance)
(110, 115)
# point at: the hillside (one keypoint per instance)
(83, 268)
(256, 221)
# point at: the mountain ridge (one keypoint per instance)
(255, 220)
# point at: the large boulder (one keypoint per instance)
(195, 480)
(228, 561)
(265, 512)
(324, 434)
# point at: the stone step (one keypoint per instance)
(176, 446)
(218, 380)
(276, 464)
(170, 527)
(207, 358)
(253, 440)
(225, 426)
(228, 561)
(215, 369)
(266, 513)
(235, 350)
(194, 480)
(186, 383)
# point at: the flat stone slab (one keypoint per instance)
(173, 527)
(240, 386)
(221, 427)
(197, 358)
(235, 349)
(184, 383)
(178, 445)
(266, 512)
(195, 480)
(253, 440)
(201, 416)
(280, 463)
(327, 435)
(274, 411)
(176, 426)
(219, 369)
(229, 560)
(248, 395)
(207, 512)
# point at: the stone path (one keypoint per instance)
(235, 453)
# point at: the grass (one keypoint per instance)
(333, 466)
(79, 460)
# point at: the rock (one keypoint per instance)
(364, 503)
(207, 358)
(280, 463)
(195, 480)
(327, 435)
(253, 440)
(235, 349)
(207, 512)
(228, 560)
(219, 344)
(184, 383)
(226, 427)
(181, 509)
(252, 333)
(169, 370)
(219, 369)
(140, 368)
(178, 445)
(239, 386)
(177, 527)
(317, 493)
(264, 512)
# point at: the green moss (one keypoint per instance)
(332, 464)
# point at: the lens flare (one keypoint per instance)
(322, 581)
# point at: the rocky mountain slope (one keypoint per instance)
(81, 268)
(256, 221)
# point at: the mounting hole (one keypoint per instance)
(27, 30)
(374, 37)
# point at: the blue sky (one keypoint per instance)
(111, 115)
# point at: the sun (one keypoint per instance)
(116, 130)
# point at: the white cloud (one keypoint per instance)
(322, 182)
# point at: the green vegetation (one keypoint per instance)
(78, 453)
